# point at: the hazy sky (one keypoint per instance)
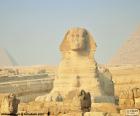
(32, 30)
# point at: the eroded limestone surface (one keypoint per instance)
(9, 104)
(78, 70)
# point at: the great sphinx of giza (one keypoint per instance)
(78, 70)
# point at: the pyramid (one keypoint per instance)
(129, 53)
(6, 59)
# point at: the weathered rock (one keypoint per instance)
(9, 104)
(137, 102)
(22, 107)
(127, 94)
(35, 106)
(123, 95)
(130, 98)
(72, 114)
(104, 107)
(69, 108)
(107, 85)
(126, 103)
(95, 114)
(136, 92)
(114, 114)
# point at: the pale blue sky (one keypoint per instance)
(32, 30)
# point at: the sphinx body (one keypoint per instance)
(77, 63)
(78, 69)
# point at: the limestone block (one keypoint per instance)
(104, 99)
(122, 112)
(62, 108)
(22, 107)
(34, 106)
(72, 94)
(123, 95)
(72, 114)
(2, 96)
(104, 107)
(5, 106)
(50, 107)
(53, 110)
(9, 104)
(137, 102)
(130, 94)
(126, 103)
(95, 114)
(114, 114)
(127, 94)
(136, 92)
(75, 105)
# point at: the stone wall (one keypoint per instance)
(27, 90)
(27, 82)
(20, 71)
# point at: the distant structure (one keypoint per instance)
(129, 53)
(6, 59)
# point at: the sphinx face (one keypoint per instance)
(77, 39)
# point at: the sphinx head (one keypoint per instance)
(78, 39)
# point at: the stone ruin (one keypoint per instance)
(78, 71)
(130, 98)
(9, 104)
